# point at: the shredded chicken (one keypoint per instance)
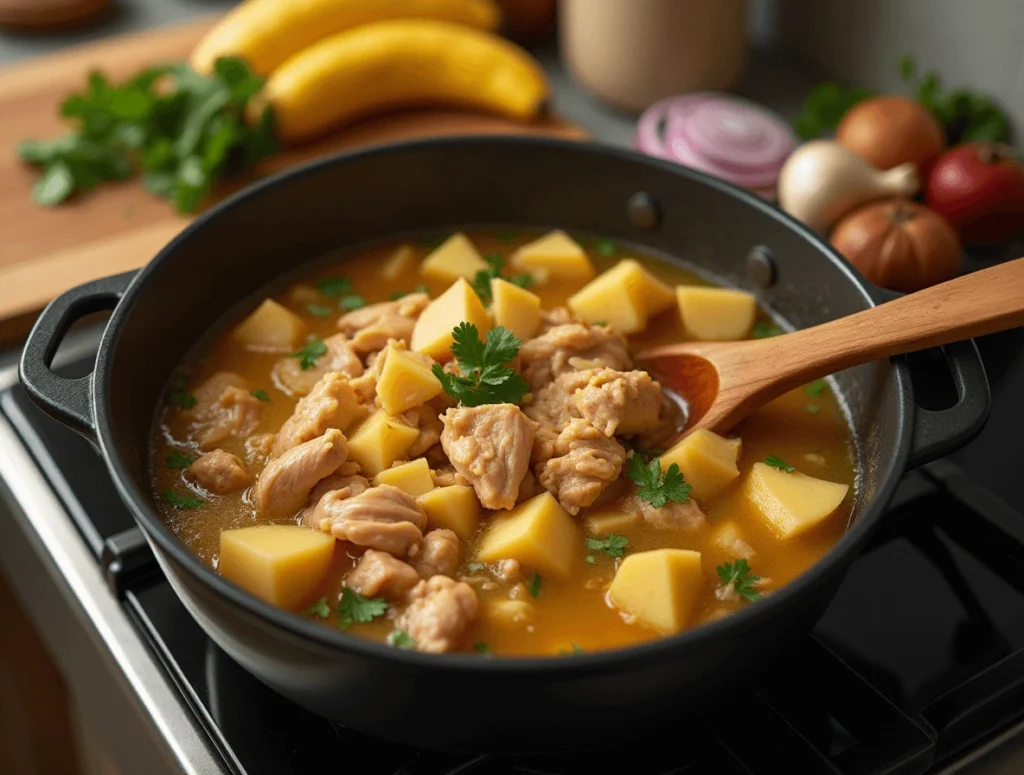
(343, 484)
(296, 381)
(426, 420)
(287, 481)
(224, 410)
(219, 472)
(571, 347)
(447, 476)
(585, 462)
(371, 327)
(439, 555)
(332, 403)
(551, 408)
(383, 517)
(378, 573)
(615, 402)
(490, 446)
(439, 612)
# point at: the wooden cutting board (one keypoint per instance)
(43, 251)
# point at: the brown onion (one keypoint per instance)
(899, 244)
(888, 131)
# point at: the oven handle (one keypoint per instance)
(68, 400)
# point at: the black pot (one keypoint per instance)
(467, 702)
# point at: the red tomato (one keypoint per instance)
(979, 188)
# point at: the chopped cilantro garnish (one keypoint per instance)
(763, 330)
(260, 395)
(334, 286)
(653, 485)
(319, 609)
(742, 579)
(778, 462)
(605, 247)
(534, 587)
(481, 282)
(484, 378)
(351, 302)
(400, 639)
(318, 311)
(353, 608)
(613, 545)
(179, 459)
(816, 388)
(308, 355)
(180, 501)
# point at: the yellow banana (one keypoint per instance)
(266, 32)
(402, 63)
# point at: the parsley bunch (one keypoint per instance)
(655, 486)
(965, 115)
(182, 130)
(482, 280)
(484, 377)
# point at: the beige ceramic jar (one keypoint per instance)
(632, 53)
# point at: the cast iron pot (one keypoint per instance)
(469, 702)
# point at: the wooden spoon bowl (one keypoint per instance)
(724, 382)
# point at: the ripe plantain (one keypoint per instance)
(397, 64)
(266, 32)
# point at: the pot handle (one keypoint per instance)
(937, 433)
(67, 400)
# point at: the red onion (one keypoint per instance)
(725, 136)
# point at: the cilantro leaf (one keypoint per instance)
(319, 609)
(260, 395)
(605, 247)
(177, 459)
(742, 579)
(524, 280)
(816, 388)
(180, 501)
(308, 355)
(334, 286)
(653, 485)
(318, 310)
(353, 608)
(481, 282)
(778, 462)
(351, 302)
(484, 378)
(534, 587)
(613, 545)
(400, 639)
(763, 330)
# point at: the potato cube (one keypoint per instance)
(272, 328)
(378, 441)
(661, 588)
(454, 507)
(609, 519)
(399, 264)
(556, 255)
(454, 258)
(301, 295)
(412, 477)
(728, 537)
(503, 612)
(406, 381)
(707, 460)
(432, 334)
(792, 503)
(281, 564)
(715, 314)
(625, 297)
(515, 308)
(538, 533)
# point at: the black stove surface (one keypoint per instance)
(919, 659)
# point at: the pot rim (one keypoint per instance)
(587, 662)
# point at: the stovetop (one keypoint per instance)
(918, 661)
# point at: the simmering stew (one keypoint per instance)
(444, 445)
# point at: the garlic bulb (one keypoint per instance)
(822, 181)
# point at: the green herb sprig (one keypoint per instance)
(655, 486)
(739, 575)
(779, 463)
(484, 377)
(481, 282)
(965, 115)
(179, 501)
(353, 608)
(320, 609)
(310, 354)
(400, 639)
(613, 545)
(179, 460)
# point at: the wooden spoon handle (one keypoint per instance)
(976, 304)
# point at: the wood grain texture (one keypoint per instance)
(724, 382)
(43, 252)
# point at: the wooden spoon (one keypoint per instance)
(723, 382)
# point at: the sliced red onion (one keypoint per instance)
(723, 135)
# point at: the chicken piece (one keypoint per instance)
(426, 420)
(439, 554)
(346, 485)
(615, 402)
(332, 403)
(382, 517)
(219, 472)
(287, 481)
(585, 462)
(295, 381)
(672, 516)
(549, 318)
(551, 408)
(258, 448)
(490, 446)
(671, 420)
(224, 410)
(371, 327)
(438, 614)
(572, 347)
(447, 476)
(528, 487)
(378, 573)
